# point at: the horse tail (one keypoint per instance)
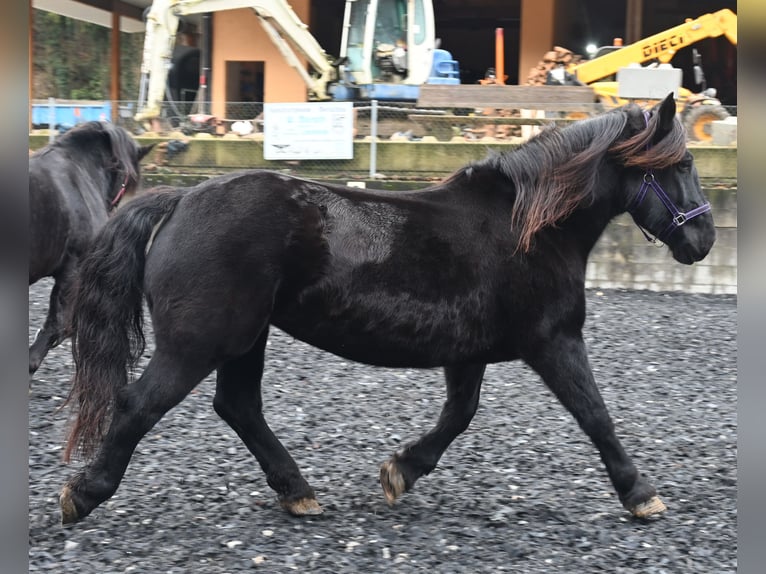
(107, 318)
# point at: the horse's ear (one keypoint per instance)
(667, 114)
(143, 150)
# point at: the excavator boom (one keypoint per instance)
(662, 46)
(278, 20)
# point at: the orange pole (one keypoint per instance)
(499, 56)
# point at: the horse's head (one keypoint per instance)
(662, 187)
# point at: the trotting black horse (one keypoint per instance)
(74, 184)
(487, 266)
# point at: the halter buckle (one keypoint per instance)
(680, 219)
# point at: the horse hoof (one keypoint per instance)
(392, 481)
(303, 507)
(649, 508)
(68, 509)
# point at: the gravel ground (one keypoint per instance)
(521, 491)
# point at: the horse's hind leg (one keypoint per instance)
(54, 330)
(139, 406)
(399, 473)
(238, 401)
(563, 365)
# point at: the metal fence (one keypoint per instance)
(373, 123)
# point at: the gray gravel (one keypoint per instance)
(521, 491)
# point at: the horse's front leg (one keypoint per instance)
(399, 473)
(54, 329)
(238, 401)
(563, 364)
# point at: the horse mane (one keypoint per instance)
(107, 138)
(557, 171)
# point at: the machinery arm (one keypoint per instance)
(278, 20)
(159, 39)
(662, 46)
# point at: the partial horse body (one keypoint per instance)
(74, 184)
(487, 266)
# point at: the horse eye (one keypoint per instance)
(685, 166)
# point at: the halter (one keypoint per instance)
(678, 217)
(121, 192)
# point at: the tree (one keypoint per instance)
(71, 59)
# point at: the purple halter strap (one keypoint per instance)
(678, 217)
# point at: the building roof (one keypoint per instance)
(99, 11)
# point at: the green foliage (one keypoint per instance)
(72, 59)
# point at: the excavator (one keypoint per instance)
(697, 110)
(388, 49)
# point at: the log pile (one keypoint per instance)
(556, 57)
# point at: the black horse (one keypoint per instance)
(487, 266)
(74, 184)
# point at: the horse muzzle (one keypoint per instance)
(689, 251)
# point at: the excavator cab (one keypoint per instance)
(391, 49)
(377, 43)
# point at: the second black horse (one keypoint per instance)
(74, 184)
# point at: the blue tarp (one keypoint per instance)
(70, 114)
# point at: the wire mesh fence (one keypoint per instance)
(188, 134)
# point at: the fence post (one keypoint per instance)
(373, 137)
(51, 119)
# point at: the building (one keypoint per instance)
(245, 65)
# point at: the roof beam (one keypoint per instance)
(99, 11)
(116, 6)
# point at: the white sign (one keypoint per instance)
(315, 130)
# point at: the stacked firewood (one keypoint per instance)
(556, 57)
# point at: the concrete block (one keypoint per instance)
(634, 81)
(724, 132)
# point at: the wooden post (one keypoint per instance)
(537, 23)
(115, 67)
(634, 21)
(31, 35)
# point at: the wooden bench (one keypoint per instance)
(472, 96)
(531, 101)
